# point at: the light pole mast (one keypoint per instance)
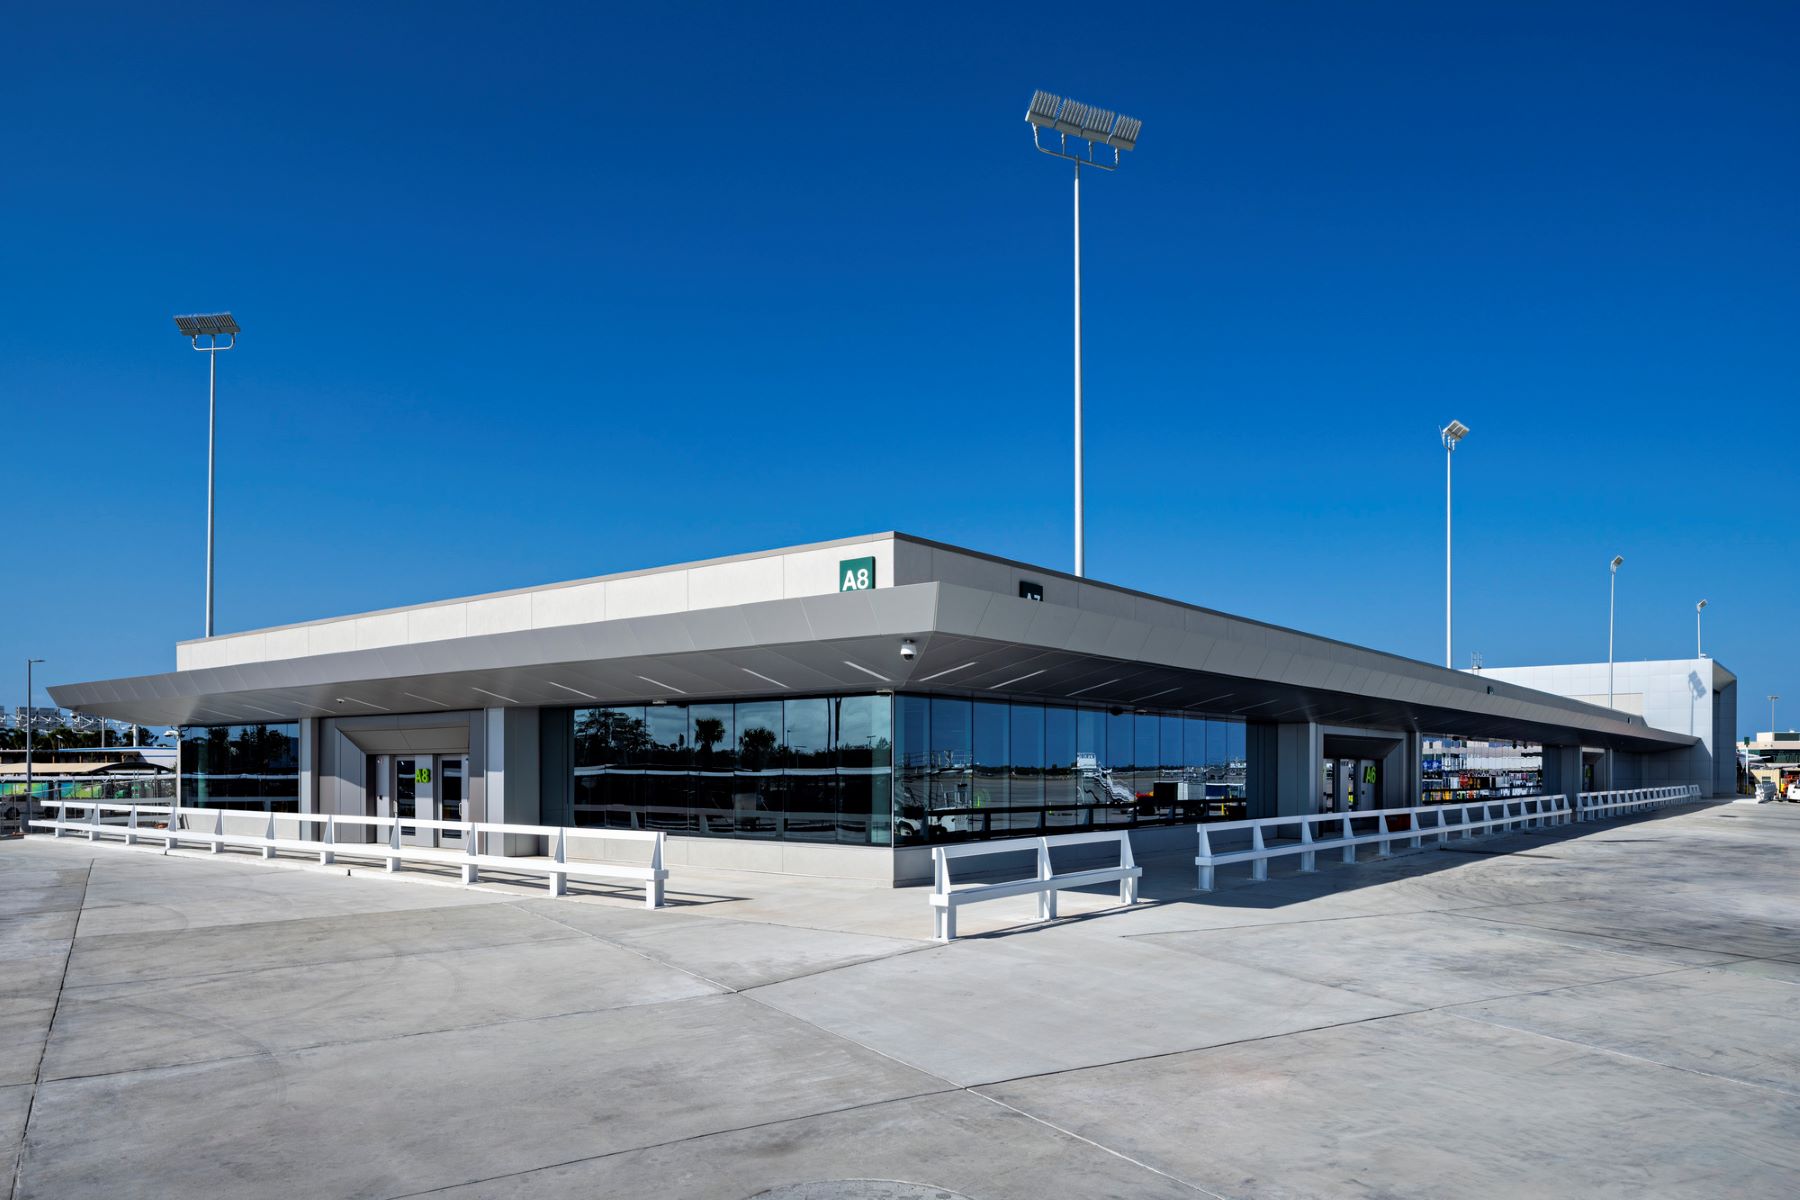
(1699, 644)
(1611, 596)
(1772, 700)
(1097, 127)
(1451, 434)
(210, 326)
(31, 792)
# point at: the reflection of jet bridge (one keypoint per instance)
(1098, 781)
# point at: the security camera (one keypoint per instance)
(908, 649)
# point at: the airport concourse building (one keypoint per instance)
(837, 708)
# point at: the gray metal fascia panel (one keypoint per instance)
(717, 628)
(1052, 624)
(1091, 634)
(1277, 666)
(1126, 640)
(776, 621)
(839, 616)
(960, 610)
(1193, 651)
(1162, 645)
(911, 609)
(1007, 619)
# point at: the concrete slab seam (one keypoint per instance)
(44, 1050)
(1626, 1055)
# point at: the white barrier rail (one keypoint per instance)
(129, 821)
(1046, 883)
(1593, 806)
(1426, 820)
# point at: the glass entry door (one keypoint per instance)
(453, 770)
(415, 791)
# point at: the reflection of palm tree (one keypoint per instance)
(758, 746)
(708, 732)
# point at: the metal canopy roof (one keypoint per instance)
(968, 642)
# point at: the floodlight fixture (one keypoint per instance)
(212, 327)
(1618, 561)
(1098, 127)
(207, 324)
(1453, 433)
(1089, 123)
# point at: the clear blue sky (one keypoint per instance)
(534, 292)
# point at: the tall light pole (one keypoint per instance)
(1451, 434)
(31, 792)
(211, 326)
(1097, 127)
(1699, 650)
(1772, 700)
(1611, 596)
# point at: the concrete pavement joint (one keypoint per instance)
(43, 1050)
(710, 1133)
(1629, 1057)
(381, 1040)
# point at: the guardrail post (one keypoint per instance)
(1128, 886)
(268, 851)
(1349, 841)
(1308, 858)
(218, 842)
(393, 857)
(1204, 856)
(131, 826)
(1047, 897)
(170, 841)
(559, 880)
(943, 914)
(326, 857)
(1259, 868)
(93, 823)
(653, 895)
(1382, 848)
(471, 871)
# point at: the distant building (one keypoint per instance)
(1695, 696)
(1774, 756)
(40, 717)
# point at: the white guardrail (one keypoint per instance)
(1592, 806)
(1046, 883)
(1426, 820)
(1471, 819)
(131, 824)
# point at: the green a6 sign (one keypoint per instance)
(856, 574)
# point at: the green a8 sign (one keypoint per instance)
(856, 574)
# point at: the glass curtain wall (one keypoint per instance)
(813, 769)
(984, 768)
(253, 767)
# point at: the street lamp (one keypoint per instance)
(1611, 597)
(1451, 434)
(1772, 700)
(1698, 609)
(1097, 127)
(30, 791)
(210, 326)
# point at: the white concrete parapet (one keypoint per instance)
(1472, 818)
(206, 826)
(945, 901)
